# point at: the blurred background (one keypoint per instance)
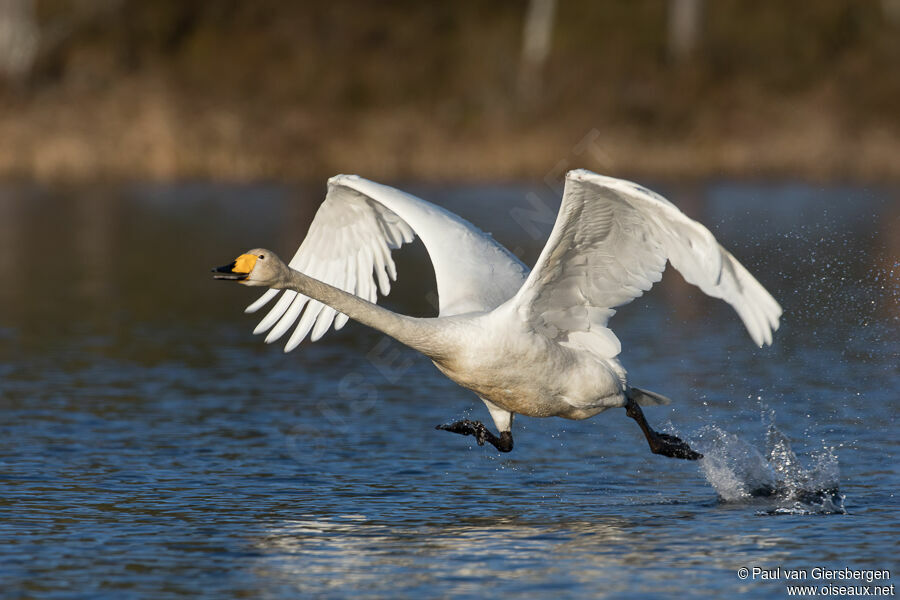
(249, 91)
(152, 447)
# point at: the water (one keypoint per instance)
(151, 447)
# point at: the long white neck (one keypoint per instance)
(422, 334)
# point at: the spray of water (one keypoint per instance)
(741, 473)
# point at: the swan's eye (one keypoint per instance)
(262, 256)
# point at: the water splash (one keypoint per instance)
(740, 473)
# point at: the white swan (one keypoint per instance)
(536, 343)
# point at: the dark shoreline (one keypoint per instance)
(271, 91)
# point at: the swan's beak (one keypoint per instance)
(238, 270)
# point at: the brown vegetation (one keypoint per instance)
(234, 90)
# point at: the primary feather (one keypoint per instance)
(349, 246)
(609, 245)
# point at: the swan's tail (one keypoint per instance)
(646, 397)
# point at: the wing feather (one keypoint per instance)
(261, 301)
(275, 312)
(287, 318)
(305, 325)
(382, 256)
(609, 245)
(349, 246)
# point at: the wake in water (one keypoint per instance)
(740, 473)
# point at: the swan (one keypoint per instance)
(534, 343)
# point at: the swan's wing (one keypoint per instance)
(349, 245)
(609, 245)
(473, 272)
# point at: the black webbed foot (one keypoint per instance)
(467, 427)
(660, 443)
(672, 446)
(482, 434)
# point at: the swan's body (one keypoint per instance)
(532, 343)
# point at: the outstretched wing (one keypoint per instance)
(349, 245)
(609, 245)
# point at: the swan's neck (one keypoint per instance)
(422, 334)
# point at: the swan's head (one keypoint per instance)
(255, 267)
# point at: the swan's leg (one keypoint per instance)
(660, 443)
(482, 434)
(503, 421)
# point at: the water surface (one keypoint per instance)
(151, 447)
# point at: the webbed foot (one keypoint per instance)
(482, 434)
(660, 443)
(672, 446)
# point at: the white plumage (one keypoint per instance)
(349, 246)
(533, 343)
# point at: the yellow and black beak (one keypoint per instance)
(238, 270)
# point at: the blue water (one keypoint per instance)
(151, 447)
